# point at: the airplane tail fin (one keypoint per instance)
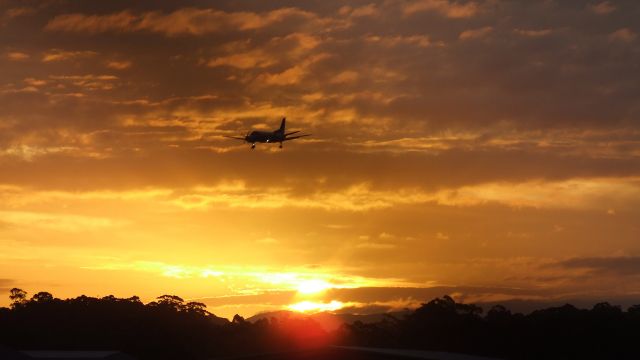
(282, 124)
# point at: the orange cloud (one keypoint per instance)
(61, 55)
(119, 22)
(17, 56)
(59, 222)
(475, 33)
(602, 8)
(16, 12)
(119, 65)
(422, 138)
(294, 74)
(246, 60)
(623, 35)
(390, 41)
(447, 8)
(88, 82)
(187, 21)
(533, 33)
(361, 11)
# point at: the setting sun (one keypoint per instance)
(476, 148)
(486, 150)
(313, 286)
(311, 306)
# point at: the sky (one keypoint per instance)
(486, 149)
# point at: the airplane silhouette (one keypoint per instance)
(279, 135)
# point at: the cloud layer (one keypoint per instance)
(453, 142)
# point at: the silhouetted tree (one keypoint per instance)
(170, 329)
(634, 309)
(196, 308)
(170, 301)
(237, 319)
(17, 296)
(42, 296)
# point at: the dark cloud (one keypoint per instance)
(6, 284)
(617, 266)
(269, 298)
(185, 21)
(423, 295)
(538, 67)
(122, 166)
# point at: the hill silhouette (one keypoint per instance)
(329, 321)
(170, 328)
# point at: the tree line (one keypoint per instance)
(170, 328)
(565, 332)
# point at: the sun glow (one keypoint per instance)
(311, 306)
(313, 286)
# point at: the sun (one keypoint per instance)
(313, 286)
(310, 306)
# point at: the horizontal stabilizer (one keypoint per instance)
(235, 137)
(291, 133)
(295, 137)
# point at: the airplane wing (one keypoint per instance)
(235, 137)
(295, 137)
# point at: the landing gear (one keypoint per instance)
(281, 145)
(253, 146)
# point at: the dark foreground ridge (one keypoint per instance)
(169, 328)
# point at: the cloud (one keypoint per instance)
(186, 21)
(17, 56)
(88, 81)
(613, 266)
(361, 11)
(246, 60)
(586, 194)
(14, 13)
(35, 82)
(119, 65)
(447, 8)
(533, 33)
(277, 51)
(576, 194)
(294, 74)
(347, 76)
(121, 21)
(625, 35)
(383, 299)
(268, 241)
(416, 133)
(249, 280)
(412, 296)
(58, 222)
(475, 33)
(279, 298)
(6, 285)
(62, 55)
(376, 246)
(392, 41)
(602, 8)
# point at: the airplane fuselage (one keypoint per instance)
(276, 136)
(265, 137)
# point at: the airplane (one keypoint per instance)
(279, 135)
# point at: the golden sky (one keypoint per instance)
(487, 149)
